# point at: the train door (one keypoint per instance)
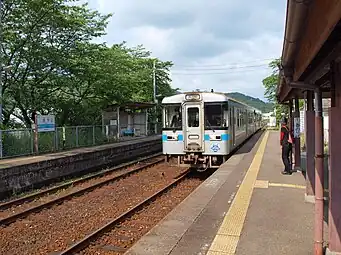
(237, 124)
(193, 126)
(247, 125)
(232, 128)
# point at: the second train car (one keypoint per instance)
(201, 129)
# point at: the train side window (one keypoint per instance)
(193, 116)
(172, 117)
(241, 122)
(238, 118)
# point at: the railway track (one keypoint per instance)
(103, 178)
(121, 219)
(54, 229)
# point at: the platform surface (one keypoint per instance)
(245, 207)
(5, 163)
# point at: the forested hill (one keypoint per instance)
(251, 101)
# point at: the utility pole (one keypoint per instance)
(154, 96)
(154, 81)
(1, 70)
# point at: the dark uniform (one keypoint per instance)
(286, 143)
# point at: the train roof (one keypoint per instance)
(206, 96)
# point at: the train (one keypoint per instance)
(201, 129)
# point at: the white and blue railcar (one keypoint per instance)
(201, 129)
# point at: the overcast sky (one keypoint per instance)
(220, 44)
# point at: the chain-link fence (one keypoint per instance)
(21, 142)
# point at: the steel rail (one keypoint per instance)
(83, 243)
(59, 200)
(54, 189)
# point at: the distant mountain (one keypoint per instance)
(251, 101)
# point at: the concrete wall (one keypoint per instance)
(24, 177)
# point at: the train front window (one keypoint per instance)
(214, 116)
(193, 116)
(172, 116)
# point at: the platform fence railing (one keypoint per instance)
(21, 142)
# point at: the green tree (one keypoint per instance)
(39, 39)
(270, 84)
(58, 69)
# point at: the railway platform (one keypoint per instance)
(24, 173)
(25, 160)
(246, 207)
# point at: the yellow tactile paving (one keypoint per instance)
(266, 184)
(218, 253)
(285, 185)
(220, 244)
(228, 235)
(261, 184)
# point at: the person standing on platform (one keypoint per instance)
(286, 143)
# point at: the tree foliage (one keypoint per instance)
(57, 68)
(270, 84)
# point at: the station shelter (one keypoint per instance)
(311, 70)
(128, 119)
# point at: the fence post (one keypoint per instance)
(36, 139)
(76, 136)
(32, 140)
(1, 144)
(64, 138)
(56, 138)
(107, 132)
(93, 135)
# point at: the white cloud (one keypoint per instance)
(203, 33)
(159, 41)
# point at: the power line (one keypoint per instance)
(217, 69)
(236, 63)
(215, 73)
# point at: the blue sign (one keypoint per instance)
(46, 123)
(215, 147)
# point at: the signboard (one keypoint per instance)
(302, 120)
(297, 127)
(46, 123)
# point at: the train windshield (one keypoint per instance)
(214, 116)
(172, 116)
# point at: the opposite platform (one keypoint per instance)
(21, 174)
(24, 160)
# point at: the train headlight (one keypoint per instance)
(192, 97)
